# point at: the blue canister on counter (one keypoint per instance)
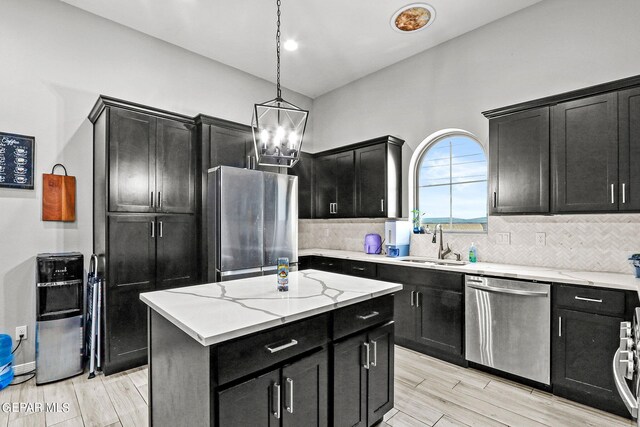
(283, 274)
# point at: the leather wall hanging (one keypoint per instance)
(58, 196)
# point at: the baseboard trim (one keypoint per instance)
(24, 368)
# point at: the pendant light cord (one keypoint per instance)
(279, 92)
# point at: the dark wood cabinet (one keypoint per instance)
(177, 261)
(304, 171)
(363, 377)
(224, 143)
(151, 163)
(132, 159)
(175, 167)
(252, 403)
(439, 322)
(359, 180)
(404, 313)
(585, 154)
(519, 162)
(376, 181)
(629, 149)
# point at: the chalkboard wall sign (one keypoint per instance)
(16, 160)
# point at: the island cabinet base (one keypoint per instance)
(334, 368)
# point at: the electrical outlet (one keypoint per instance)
(21, 330)
(541, 239)
(503, 238)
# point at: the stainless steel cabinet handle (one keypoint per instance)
(613, 196)
(161, 228)
(276, 394)
(418, 299)
(359, 268)
(623, 389)
(495, 199)
(509, 291)
(159, 199)
(375, 353)
(289, 386)
(412, 295)
(381, 205)
(624, 194)
(588, 299)
(366, 356)
(151, 203)
(367, 316)
(153, 229)
(560, 326)
(282, 347)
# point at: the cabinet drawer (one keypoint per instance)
(332, 265)
(592, 300)
(247, 355)
(360, 316)
(360, 269)
(422, 277)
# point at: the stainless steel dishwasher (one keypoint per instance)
(507, 326)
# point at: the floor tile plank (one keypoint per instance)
(60, 393)
(95, 405)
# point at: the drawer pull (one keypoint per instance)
(359, 268)
(588, 299)
(413, 293)
(289, 386)
(367, 363)
(367, 316)
(281, 347)
(375, 353)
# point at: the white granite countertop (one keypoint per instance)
(545, 274)
(217, 312)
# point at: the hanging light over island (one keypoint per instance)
(278, 126)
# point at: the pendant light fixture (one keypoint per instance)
(278, 126)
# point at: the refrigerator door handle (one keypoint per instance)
(239, 272)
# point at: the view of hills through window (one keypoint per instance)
(452, 185)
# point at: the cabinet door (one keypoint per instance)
(344, 180)
(519, 160)
(131, 271)
(349, 383)
(440, 319)
(585, 154)
(252, 403)
(371, 181)
(175, 167)
(229, 147)
(380, 382)
(132, 159)
(582, 351)
(304, 171)
(325, 168)
(176, 237)
(629, 122)
(305, 386)
(404, 313)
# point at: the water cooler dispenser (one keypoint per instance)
(59, 316)
(398, 236)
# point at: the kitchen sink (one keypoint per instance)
(433, 261)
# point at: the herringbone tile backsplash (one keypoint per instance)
(578, 242)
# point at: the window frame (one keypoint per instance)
(414, 170)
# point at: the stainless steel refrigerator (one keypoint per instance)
(252, 220)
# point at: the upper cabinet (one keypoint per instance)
(152, 163)
(304, 171)
(585, 154)
(569, 153)
(360, 180)
(519, 162)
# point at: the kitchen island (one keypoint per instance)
(242, 353)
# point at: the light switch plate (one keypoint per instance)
(503, 238)
(541, 239)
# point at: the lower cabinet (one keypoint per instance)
(293, 395)
(440, 319)
(363, 377)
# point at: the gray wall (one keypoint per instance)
(551, 47)
(56, 61)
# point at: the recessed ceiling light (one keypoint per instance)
(291, 45)
(413, 17)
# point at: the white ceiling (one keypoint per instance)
(340, 40)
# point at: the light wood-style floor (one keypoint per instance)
(429, 392)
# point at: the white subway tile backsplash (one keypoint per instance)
(582, 242)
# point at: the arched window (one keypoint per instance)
(449, 182)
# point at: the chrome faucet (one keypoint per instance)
(442, 252)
